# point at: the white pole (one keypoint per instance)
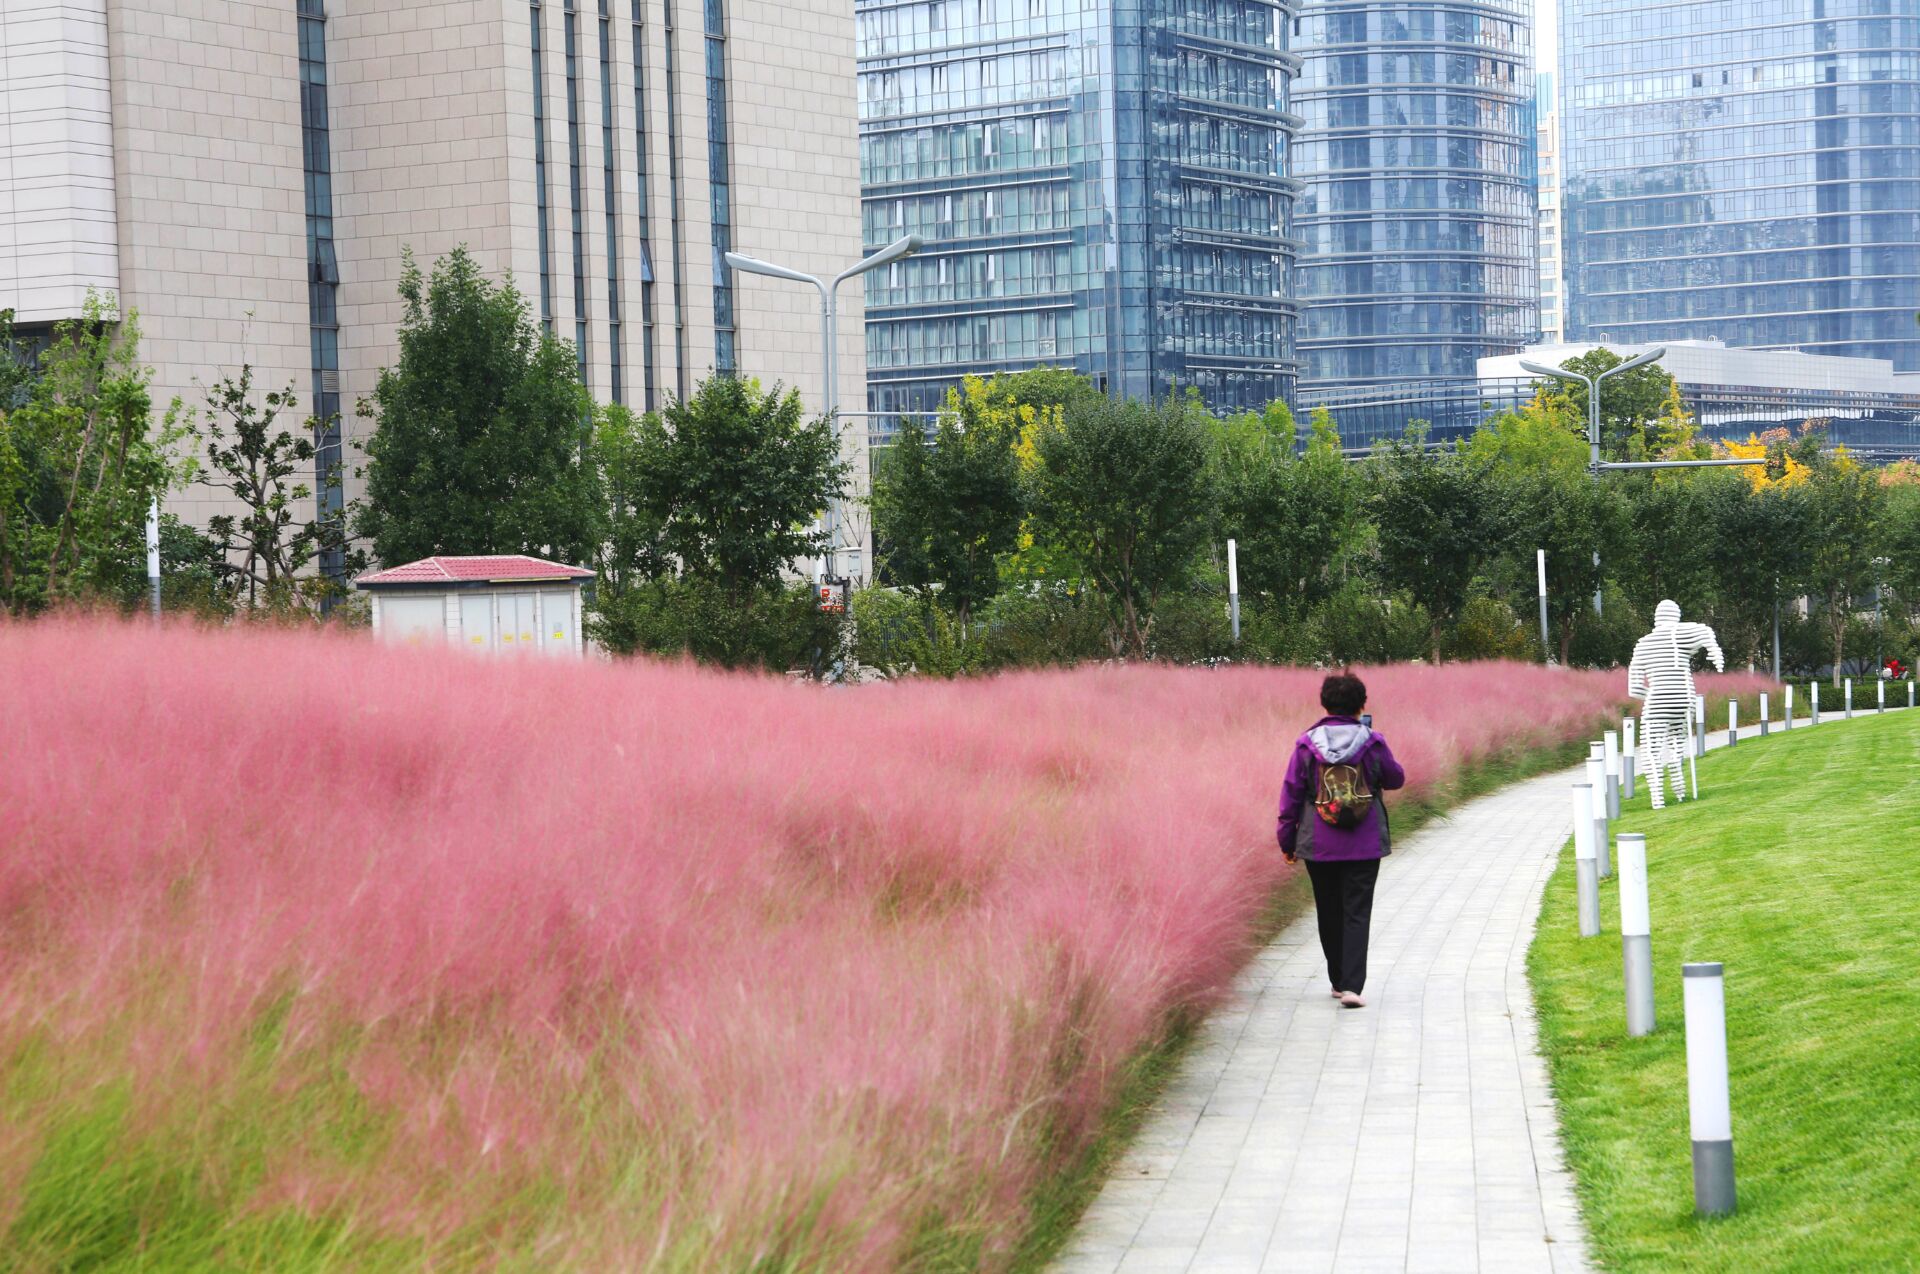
(1586, 868)
(1610, 743)
(1881, 686)
(1630, 751)
(1849, 715)
(1709, 1103)
(153, 555)
(1909, 690)
(1766, 714)
(1233, 588)
(1786, 718)
(1815, 687)
(1700, 719)
(1733, 722)
(1693, 756)
(1636, 933)
(1546, 642)
(1597, 778)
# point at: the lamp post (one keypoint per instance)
(1593, 384)
(829, 334)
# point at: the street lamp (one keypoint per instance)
(1593, 393)
(829, 342)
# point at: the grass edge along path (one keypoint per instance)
(1797, 869)
(1055, 1210)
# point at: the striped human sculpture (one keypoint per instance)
(1661, 676)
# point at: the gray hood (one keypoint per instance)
(1338, 742)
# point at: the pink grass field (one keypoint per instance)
(461, 962)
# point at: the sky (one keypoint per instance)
(1546, 23)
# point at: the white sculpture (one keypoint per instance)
(1661, 675)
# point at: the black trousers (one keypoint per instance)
(1343, 896)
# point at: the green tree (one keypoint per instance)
(250, 457)
(1758, 544)
(735, 478)
(1297, 517)
(1122, 487)
(1844, 507)
(1434, 525)
(947, 509)
(80, 464)
(1665, 518)
(482, 435)
(1577, 521)
(626, 448)
(1640, 411)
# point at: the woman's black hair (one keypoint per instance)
(1343, 694)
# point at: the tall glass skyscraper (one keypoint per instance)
(1418, 212)
(1744, 169)
(1101, 186)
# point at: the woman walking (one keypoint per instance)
(1333, 817)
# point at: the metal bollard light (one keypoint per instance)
(1709, 1105)
(1733, 722)
(1636, 932)
(1766, 714)
(1881, 686)
(1610, 750)
(1814, 687)
(1586, 869)
(1786, 721)
(1700, 722)
(1630, 750)
(1849, 715)
(1597, 777)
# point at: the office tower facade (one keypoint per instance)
(247, 175)
(1418, 213)
(1744, 172)
(1552, 288)
(1100, 184)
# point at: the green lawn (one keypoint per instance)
(1800, 869)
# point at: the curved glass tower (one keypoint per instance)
(1418, 213)
(1100, 186)
(1744, 170)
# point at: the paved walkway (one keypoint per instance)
(1416, 1134)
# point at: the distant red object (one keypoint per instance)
(497, 566)
(1896, 670)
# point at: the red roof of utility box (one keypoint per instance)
(498, 568)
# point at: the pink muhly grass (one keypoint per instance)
(638, 964)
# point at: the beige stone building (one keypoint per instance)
(246, 175)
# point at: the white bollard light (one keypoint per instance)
(1733, 722)
(1629, 751)
(1636, 932)
(1597, 777)
(1766, 714)
(1700, 722)
(1814, 688)
(1786, 720)
(1610, 745)
(1709, 1105)
(1849, 715)
(1586, 869)
(1881, 686)
(1909, 692)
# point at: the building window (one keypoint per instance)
(640, 185)
(610, 200)
(540, 168)
(323, 275)
(725, 351)
(575, 188)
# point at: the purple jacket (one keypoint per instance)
(1336, 741)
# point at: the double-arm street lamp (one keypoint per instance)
(829, 334)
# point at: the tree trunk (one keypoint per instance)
(1438, 630)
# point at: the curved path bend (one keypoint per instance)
(1417, 1134)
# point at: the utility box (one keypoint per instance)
(507, 602)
